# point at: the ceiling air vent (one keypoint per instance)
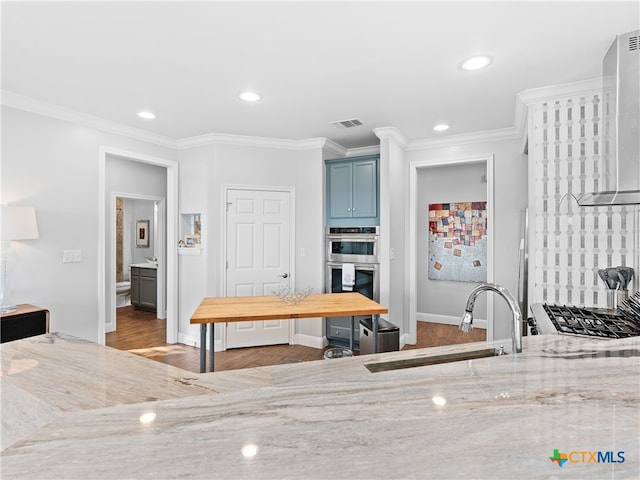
(353, 122)
(634, 43)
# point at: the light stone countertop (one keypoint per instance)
(71, 409)
(153, 266)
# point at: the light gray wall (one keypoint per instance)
(134, 210)
(53, 165)
(203, 173)
(444, 184)
(394, 203)
(510, 198)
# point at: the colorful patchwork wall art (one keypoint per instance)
(458, 241)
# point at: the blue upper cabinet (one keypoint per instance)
(352, 192)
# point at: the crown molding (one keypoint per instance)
(32, 105)
(498, 135)
(362, 151)
(523, 100)
(392, 133)
(553, 92)
(332, 149)
(250, 141)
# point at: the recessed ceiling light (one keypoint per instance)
(441, 127)
(146, 115)
(476, 63)
(250, 96)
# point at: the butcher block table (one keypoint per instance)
(246, 309)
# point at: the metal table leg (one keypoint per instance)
(203, 346)
(211, 342)
(374, 321)
(351, 334)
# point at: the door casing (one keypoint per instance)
(107, 289)
(223, 253)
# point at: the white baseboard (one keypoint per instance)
(309, 341)
(298, 339)
(188, 340)
(403, 340)
(195, 342)
(448, 319)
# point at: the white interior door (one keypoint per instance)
(258, 259)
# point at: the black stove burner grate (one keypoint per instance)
(591, 323)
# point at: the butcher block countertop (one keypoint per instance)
(75, 409)
(236, 309)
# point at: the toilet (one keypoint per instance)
(123, 294)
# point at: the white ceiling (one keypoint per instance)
(385, 63)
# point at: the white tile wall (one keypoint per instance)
(571, 243)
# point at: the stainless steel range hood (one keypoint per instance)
(620, 179)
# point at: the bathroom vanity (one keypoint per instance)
(144, 286)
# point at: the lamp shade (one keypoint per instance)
(18, 223)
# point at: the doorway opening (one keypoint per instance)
(437, 181)
(137, 248)
(167, 231)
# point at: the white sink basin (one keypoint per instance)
(145, 265)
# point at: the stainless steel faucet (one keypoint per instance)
(516, 329)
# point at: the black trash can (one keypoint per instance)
(388, 336)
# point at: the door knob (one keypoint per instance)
(284, 275)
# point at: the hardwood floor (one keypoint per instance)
(142, 333)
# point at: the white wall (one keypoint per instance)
(136, 209)
(444, 184)
(510, 198)
(203, 173)
(393, 243)
(53, 166)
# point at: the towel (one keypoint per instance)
(348, 277)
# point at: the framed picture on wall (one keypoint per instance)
(142, 234)
(458, 241)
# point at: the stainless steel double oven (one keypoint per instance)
(357, 246)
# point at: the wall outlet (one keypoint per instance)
(71, 256)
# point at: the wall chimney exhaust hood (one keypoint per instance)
(620, 172)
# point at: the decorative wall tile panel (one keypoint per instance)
(572, 243)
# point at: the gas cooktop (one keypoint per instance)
(590, 322)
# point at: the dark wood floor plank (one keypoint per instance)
(142, 333)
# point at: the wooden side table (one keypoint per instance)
(26, 321)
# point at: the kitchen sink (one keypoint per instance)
(432, 360)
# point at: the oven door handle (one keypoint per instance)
(369, 267)
(368, 238)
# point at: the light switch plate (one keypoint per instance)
(71, 256)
